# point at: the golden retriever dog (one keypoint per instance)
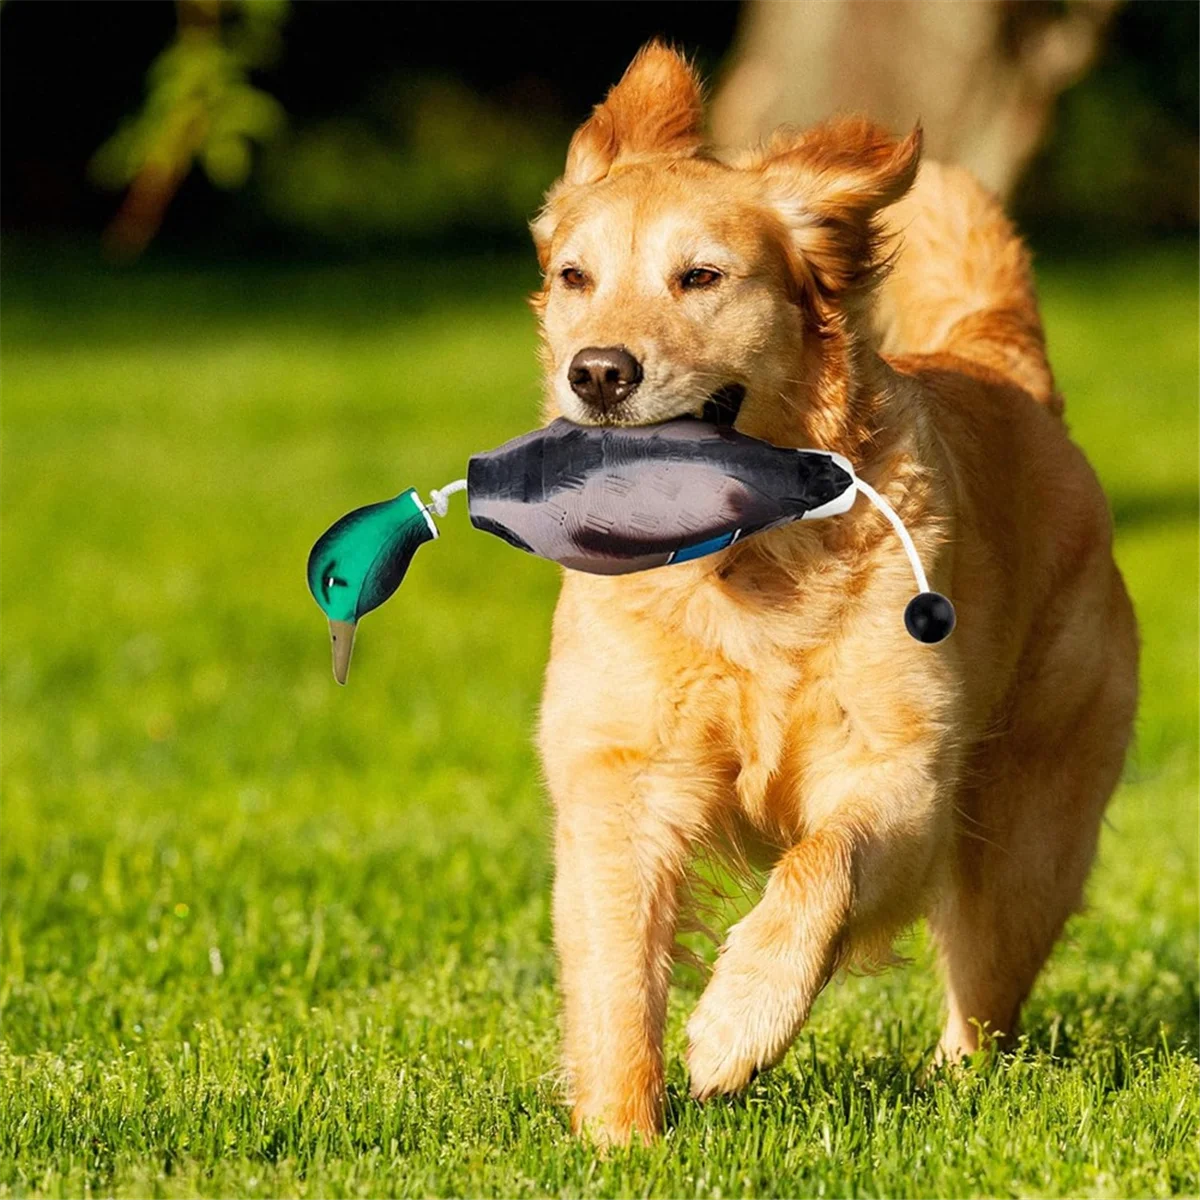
(824, 292)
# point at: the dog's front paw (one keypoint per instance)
(606, 1128)
(742, 1024)
(718, 1060)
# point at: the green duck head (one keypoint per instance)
(360, 561)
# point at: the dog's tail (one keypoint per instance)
(962, 284)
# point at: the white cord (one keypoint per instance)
(898, 525)
(439, 498)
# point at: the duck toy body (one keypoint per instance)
(606, 500)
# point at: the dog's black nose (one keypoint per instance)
(603, 378)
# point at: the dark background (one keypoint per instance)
(69, 73)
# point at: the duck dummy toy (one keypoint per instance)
(607, 500)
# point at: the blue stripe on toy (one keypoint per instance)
(700, 549)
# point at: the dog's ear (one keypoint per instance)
(656, 108)
(827, 186)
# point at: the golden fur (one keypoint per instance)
(771, 691)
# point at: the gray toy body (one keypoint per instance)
(615, 500)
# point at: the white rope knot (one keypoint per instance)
(439, 498)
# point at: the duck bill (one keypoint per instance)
(341, 637)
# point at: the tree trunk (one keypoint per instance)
(982, 76)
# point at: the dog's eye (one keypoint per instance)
(573, 277)
(699, 277)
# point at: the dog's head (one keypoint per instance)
(678, 283)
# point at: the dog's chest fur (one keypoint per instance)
(769, 712)
(737, 691)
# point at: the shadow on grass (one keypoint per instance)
(1101, 1033)
(1140, 509)
(852, 1089)
(53, 297)
(1069, 1027)
(830, 1079)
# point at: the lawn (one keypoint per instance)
(262, 936)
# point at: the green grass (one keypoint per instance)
(266, 937)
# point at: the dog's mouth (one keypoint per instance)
(723, 406)
(720, 409)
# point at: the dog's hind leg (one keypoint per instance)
(1024, 849)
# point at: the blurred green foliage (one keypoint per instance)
(200, 108)
(423, 155)
(200, 104)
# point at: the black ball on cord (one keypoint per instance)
(929, 617)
